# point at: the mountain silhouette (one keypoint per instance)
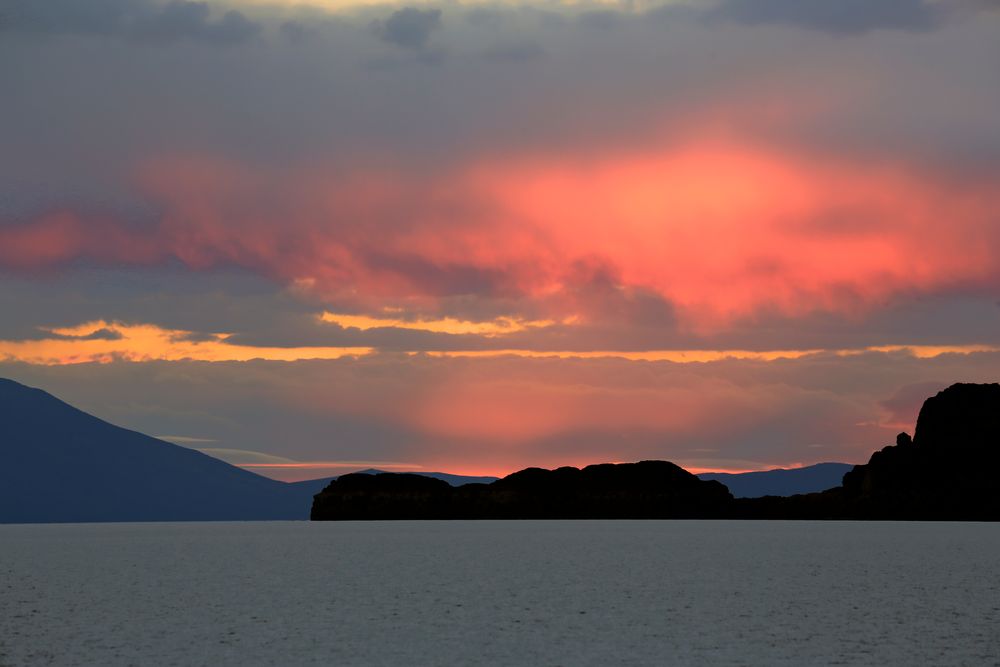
(782, 481)
(452, 479)
(60, 464)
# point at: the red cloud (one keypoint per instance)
(720, 228)
(61, 237)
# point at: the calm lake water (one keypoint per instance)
(501, 593)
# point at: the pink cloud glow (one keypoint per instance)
(720, 228)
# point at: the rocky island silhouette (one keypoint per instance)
(644, 490)
(946, 471)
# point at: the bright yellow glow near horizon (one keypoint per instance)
(927, 351)
(708, 356)
(147, 342)
(676, 356)
(303, 470)
(448, 325)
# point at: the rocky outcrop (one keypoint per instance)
(946, 471)
(383, 496)
(644, 490)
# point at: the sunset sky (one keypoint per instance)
(315, 235)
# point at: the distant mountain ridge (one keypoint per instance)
(782, 481)
(454, 480)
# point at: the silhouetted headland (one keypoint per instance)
(945, 472)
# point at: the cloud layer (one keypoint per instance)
(736, 234)
(139, 21)
(498, 414)
(717, 229)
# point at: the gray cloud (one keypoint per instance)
(838, 16)
(208, 302)
(100, 334)
(181, 19)
(78, 112)
(133, 19)
(514, 52)
(294, 31)
(601, 19)
(259, 312)
(637, 321)
(409, 27)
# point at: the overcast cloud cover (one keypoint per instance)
(761, 175)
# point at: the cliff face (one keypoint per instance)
(946, 471)
(963, 419)
(645, 490)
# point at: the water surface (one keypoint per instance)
(501, 593)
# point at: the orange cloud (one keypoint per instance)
(448, 325)
(147, 342)
(102, 341)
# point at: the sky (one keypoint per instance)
(474, 236)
